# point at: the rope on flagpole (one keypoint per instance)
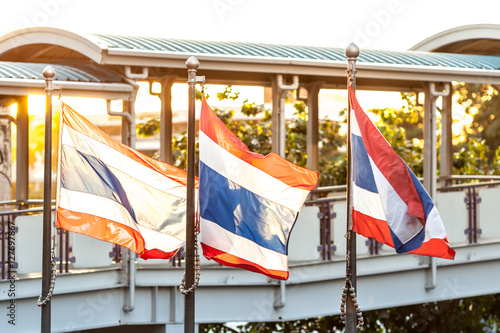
(349, 290)
(53, 267)
(182, 285)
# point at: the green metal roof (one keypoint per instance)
(81, 72)
(305, 53)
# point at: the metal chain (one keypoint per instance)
(182, 285)
(348, 289)
(53, 274)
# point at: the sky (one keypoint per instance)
(374, 24)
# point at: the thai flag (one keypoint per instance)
(248, 202)
(111, 192)
(389, 203)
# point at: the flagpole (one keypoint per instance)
(351, 316)
(48, 74)
(192, 65)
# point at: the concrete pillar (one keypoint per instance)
(128, 130)
(277, 120)
(446, 147)
(166, 119)
(430, 144)
(312, 149)
(5, 153)
(22, 150)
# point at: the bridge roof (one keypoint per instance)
(248, 63)
(169, 46)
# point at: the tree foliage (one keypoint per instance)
(478, 150)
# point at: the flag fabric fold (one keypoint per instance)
(113, 193)
(389, 202)
(248, 202)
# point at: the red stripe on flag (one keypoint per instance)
(227, 259)
(372, 228)
(157, 254)
(100, 228)
(387, 161)
(272, 164)
(438, 247)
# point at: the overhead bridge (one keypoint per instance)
(91, 286)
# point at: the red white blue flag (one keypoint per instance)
(248, 202)
(389, 203)
(111, 192)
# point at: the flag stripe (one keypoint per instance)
(368, 203)
(250, 177)
(153, 208)
(81, 202)
(244, 213)
(81, 125)
(84, 173)
(123, 162)
(363, 174)
(403, 225)
(108, 210)
(154, 240)
(219, 238)
(272, 164)
(233, 261)
(100, 228)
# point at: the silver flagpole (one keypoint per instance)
(48, 74)
(351, 313)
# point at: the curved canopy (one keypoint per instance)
(469, 39)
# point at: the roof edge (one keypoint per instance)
(456, 34)
(53, 36)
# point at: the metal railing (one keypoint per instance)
(325, 198)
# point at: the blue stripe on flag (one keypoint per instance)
(362, 170)
(242, 212)
(88, 174)
(411, 245)
(427, 202)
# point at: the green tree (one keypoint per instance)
(482, 102)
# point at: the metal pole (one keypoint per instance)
(192, 65)
(48, 74)
(352, 52)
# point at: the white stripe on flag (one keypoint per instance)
(434, 227)
(368, 203)
(85, 203)
(158, 240)
(219, 238)
(250, 177)
(354, 124)
(114, 159)
(404, 226)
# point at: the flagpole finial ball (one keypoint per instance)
(352, 51)
(48, 72)
(192, 63)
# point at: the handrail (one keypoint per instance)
(28, 202)
(487, 180)
(24, 211)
